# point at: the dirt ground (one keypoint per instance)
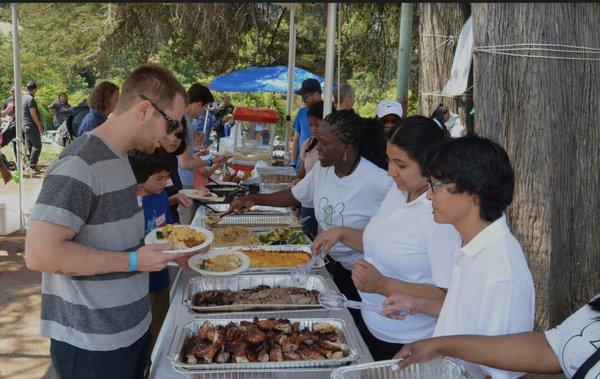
(23, 352)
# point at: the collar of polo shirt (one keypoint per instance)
(486, 237)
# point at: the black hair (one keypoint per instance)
(144, 165)
(31, 85)
(364, 134)
(316, 110)
(439, 113)
(182, 145)
(595, 304)
(415, 135)
(200, 93)
(475, 165)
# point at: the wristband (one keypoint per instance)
(210, 162)
(133, 263)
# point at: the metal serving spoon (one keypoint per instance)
(335, 300)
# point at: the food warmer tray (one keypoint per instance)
(446, 368)
(183, 333)
(239, 282)
(287, 248)
(256, 210)
(256, 223)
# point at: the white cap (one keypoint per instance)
(386, 107)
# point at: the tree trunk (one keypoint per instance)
(438, 20)
(545, 113)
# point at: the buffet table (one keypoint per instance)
(178, 315)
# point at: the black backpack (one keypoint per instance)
(74, 120)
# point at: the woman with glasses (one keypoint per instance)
(404, 249)
(389, 112)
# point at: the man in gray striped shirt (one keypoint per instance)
(86, 234)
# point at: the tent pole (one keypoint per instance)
(339, 55)
(406, 16)
(290, 88)
(329, 58)
(18, 103)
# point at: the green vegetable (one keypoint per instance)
(160, 235)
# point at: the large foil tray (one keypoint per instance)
(254, 222)
(290, 248)
(446, 368)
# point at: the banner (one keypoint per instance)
(459, 77)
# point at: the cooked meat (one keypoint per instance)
(266, 340)
(261, 294)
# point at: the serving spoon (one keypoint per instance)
(334, 300)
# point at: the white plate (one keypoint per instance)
(193, 194)
(151, 238)
(196, 259)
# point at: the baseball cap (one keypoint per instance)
(309, 86)
(12, 89)
(386, 107)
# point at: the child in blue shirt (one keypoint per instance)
(152, 172)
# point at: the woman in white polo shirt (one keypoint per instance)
(345, 187)
(404, 249)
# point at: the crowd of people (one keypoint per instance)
(411, 218)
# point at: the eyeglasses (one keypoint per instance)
(306, 96)
(433, 184)
(172, 125)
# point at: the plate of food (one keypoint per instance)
(219, 263)
(201, 194)
(185, 238)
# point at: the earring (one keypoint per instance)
(345, 157)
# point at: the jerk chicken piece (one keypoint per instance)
(254, 336)
(206, 353)
(310, 354)
(282, 325)
(276, 354)
(239, 354)
(209, 332)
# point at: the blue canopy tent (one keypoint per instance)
(262, 79)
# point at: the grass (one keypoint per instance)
(49, 153)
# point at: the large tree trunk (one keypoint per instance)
(545, 113)
(440, 19)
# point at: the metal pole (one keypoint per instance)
(329, 58)
(18, 103)
(290, 88)
(339, 55)
(406, 16)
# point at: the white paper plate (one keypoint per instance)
(151, 238)
(196, 259)
(193, 194)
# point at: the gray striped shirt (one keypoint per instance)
(92, 190)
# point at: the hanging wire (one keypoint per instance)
(536, 50)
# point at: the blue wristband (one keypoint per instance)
(133, 261)
(210, 162)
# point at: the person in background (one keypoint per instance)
(389, 112)
(455, 126)
(225, 108)
(102, 102)
(8, 110)
(199, 98)
(32, 127)
(60, 109)
(228, 124)
(404, 249)
(152, 172)
(570, 348)
(310, 91)
(309, 157)
(206, 123)
(471, 183)
(345, 188)
(175, 145)
(347, 97)
(441, 115)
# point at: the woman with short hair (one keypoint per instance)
(102, 102)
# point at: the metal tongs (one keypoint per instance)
(299, 274)
(335, 300)
(215, 218)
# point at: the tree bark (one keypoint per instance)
(441, 19)
(544, 112)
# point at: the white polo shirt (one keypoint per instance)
(403, 242)
(491, 291)
(349, 201)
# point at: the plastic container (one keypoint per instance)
(9, 220)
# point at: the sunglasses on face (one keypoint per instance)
(306, 96)
(172, 125)
(390, 119)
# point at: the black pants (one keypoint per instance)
(34, 143)
(380, 350)
(310, 226)
(343, 280)
(8, 136)
(71, 362)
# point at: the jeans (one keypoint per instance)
(71, 362)
(34, 143)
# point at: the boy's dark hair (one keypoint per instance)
(415, 135)
(200, 93)
(363, 133)
(144, 165)
(31, 85)
(316, 110)
(477, 166)
(183, 144)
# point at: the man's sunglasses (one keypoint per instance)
(172, 125)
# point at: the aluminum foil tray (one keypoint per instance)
(446, 368)
(255, 210)
(183, 333)
(291, 248)
(240, 282)
(254, 222)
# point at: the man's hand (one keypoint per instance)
(183, 200)
(242, 204)
(366, 277)
(419, 352)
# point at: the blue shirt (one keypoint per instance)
(187, 175)
(90, 122)
(157, 213)
(302, 126)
